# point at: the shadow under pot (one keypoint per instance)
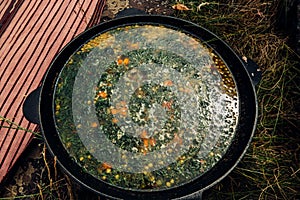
(147, 107)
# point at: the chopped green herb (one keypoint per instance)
(145, 107)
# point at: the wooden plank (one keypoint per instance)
(8, 7)
(30, 39)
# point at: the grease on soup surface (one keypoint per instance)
(145, 107)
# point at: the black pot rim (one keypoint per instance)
(237, 149)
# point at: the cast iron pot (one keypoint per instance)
(40, 108)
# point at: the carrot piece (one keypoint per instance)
(114, 120)
(126, 61)
(114, 111)
(152, 141)
(123, 112)
(146, 142)
(119, 61)
(167, 104)
(94, 125)
(168, 83)
(177, 139)
(102, 94)
(123, 103)
(106, 165)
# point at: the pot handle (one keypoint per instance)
(130, 12)
(253, 70)
(31, 106)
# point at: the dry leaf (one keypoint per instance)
(180, 6)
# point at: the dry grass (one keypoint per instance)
(271, 167)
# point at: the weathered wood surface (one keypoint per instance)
(32, 32)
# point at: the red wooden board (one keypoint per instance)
(31, 34)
